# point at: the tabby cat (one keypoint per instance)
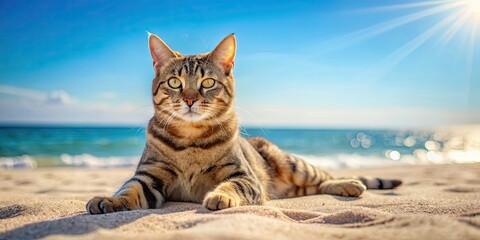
(194, 151)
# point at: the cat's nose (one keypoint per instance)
(190, 96)
(190, 101)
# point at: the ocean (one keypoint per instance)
(101, 147)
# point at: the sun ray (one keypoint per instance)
(401, 53)
(470, 57)
(450, 33)
(454, 15)
(401, 6)
(377, 29)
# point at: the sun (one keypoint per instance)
(473, 5)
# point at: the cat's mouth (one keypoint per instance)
(192, 115)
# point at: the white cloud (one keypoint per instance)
(53, 97)
(108, 95)
(59, 97)
(23, 92)
(33, 106)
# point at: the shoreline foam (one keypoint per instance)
(338, 161)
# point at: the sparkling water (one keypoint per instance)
(40, 146)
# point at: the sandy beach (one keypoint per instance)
(435, 202)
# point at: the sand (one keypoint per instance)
(435, 202)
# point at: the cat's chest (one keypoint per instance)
(191, 186)
(196, 159)
(192, 183)
(191, 158)
(200, 170)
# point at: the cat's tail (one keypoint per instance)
(379, 183)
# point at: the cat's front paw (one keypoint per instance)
(99, 205)
(218, 201)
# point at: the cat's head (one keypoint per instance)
(192, 88)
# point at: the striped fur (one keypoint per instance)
(194, 151)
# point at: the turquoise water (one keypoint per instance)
(122, 146)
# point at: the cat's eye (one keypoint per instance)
(208, 83)
(174, 83)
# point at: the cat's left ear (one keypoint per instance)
(160, 51)
(224, 53)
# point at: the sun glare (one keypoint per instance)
(456, 19)
(473, 5)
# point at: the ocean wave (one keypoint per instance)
(339, 161)
(87, 160)
(90, 161)
(24, 161)
(348, 161)
(82, 160)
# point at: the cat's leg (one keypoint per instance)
(146, 189)
(353, 187)
(293, 177)
(236, 191)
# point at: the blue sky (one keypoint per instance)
(330, 63)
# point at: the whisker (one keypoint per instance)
(165, 117)
(264, 130)
(136, 128)
(244, 131)
(172, 116)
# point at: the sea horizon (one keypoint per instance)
(249, 126)
(96, 145)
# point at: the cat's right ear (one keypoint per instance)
(160, 51)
